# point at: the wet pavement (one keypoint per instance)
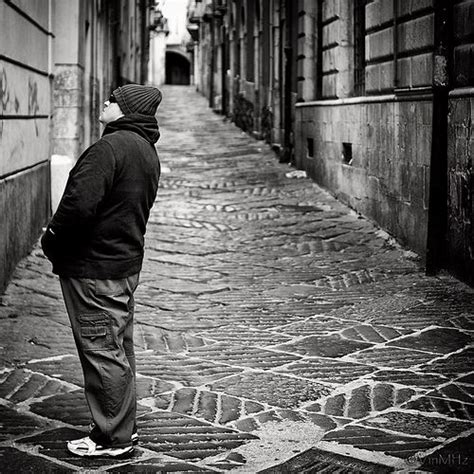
(276, 331)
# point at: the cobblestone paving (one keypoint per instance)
(276, 331)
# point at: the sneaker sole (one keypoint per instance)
(103, 453)
(134, 438)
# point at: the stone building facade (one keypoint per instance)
(372, 98)
(59, 60)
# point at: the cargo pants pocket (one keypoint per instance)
(110, 287)
(96, 332)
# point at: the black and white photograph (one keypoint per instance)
(237, 236)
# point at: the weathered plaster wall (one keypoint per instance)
(25, 108)
(156, 71)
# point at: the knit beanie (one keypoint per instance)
(137, 99)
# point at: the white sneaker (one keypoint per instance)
(134, 435)
(87, 448)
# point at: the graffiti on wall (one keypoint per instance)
(33, 106)
(4, 96)
(4, 93)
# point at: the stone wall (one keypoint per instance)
(374, 155)
(461, 187)
(25, 93)
(58, 62)
(460, 236)
(243, 114)
(373, 151)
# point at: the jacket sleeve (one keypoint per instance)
(88, 184)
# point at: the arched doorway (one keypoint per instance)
(178, 69)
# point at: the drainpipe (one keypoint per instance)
(438, 198)
(115, 32)
(211, 72)
(144, 42)
(286, 157)
(225, 42)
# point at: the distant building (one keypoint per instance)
(157, 64)
(373, 98)
(171, 59)
(59, 62)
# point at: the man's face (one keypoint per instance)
(111, 111)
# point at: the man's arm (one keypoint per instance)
(87, 185)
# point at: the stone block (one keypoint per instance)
(242, 356)
(410, 378)
(416, 33)
(418, 424)
(451, 408)
(361, 400)
(24, 143)
(187, 371)
(15, 424)
(372, 78)
(38, 11)
(463, 14)
(67, 123)
(324, 369)
(68, 98)
(372, 15)
(68, 77)
(14, 460)
(330, 58)
(405, 7)
(404, 72)
(25, 43)
(67, 147)
(393, 357)
(386, 76)
(316, 460)
(463, 65)
(275, 389)
(23, 92)
(324, 346)
(330, 10)
(440, 340)
(379, 44)
(451, 366)
(455, 456)
(386, 11)
(329, 85)
(421, 70)
(453, 391)
(377, 440)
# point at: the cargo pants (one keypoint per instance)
(101, 315)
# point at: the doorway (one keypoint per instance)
(178, 69)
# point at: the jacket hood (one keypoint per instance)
(145, 125)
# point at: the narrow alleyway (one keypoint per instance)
(274, 327)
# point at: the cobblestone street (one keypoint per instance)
(276, 330)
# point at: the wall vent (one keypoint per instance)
(347, 153)
(310, 146)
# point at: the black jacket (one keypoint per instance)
(98, 229)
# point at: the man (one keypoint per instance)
(95, 242)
